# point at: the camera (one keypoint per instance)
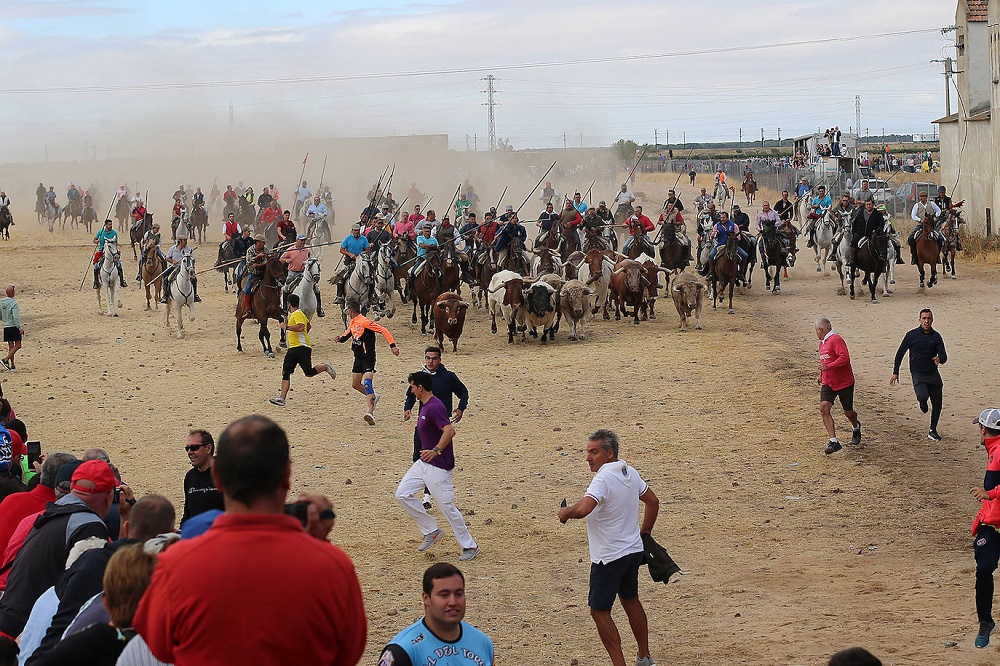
(299, 510)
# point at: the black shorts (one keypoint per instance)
(11, 334)
(619, 578)
(846, 395)
(363, 364)
(298, 356)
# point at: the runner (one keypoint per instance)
(299, 350)
(363, 330)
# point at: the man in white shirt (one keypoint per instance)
(611, 507)
(922, 208)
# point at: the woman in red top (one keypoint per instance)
(836, 380)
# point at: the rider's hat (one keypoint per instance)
(355, 227)
(156, 225)
(736, 207)
(260, 238)
(509, 207)
(300, 237)
(182, 236)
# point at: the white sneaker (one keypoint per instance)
(330, 371)
(468, 554)
(378, 396)
(427, 501)
(429, 540)
(277, 400)
(370, 418)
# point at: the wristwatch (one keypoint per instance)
(437, 450)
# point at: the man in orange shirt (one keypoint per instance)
(363, 330)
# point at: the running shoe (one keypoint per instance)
(277, 400)
(644, 661)
(933, 434)
(3, 365)
(330, 371)
(983, 637)
(468, 554)
(427, 501)
(378, 396)
(856, 436)
(369, 418)
(923, 405)
(832, 447)
(429, 540)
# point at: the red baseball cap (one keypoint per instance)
(97, 472)
(17, 446)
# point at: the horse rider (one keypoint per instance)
(547, 192)
(378, 235)
(507, 213)
(608, 220)
(741, 219)
(39, 193)
(802, 189)
(462, 206)
(623, 199)
(50, 196)
(180, 193)
(387, 217)
(638, 219)
(264, 202)
(821, 205)
(302, 195)
(404, 228)
(785, 210)
(230, 228)
(229, 195)
(107, 233)
(198, 199)
(351, 247)
(768, 220)
(152, 235)
(845, 208)
(468, 232)
(256, 258)
(703, 199)
(272, 214)
(721, 232)
(241, 243)
(942, 199)
(510, 231)
(392, 205)
(417, 217)
(673, 223)
(173, 257)
(286, 227)
(5, 203)
(569, 221)
(446, 235)
(88, 201)
(921, 209)
(545, 221)
(317, 214)
(179, 210)
(295, 257)
(425, 241)
(593, 228)
(72, 194)
(429, 221)
(579, 204)
(867, 222)
(486, 236)
(138, 214)
(672, 203)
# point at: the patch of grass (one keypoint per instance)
(980, 249)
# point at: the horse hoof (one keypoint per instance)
(892, 282)
(697, 327)
(818, 269)
(731, 311)
(269, 354)
(852, 297)
(953, 277)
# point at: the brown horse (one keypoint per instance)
(749, 188)
(89, 218)
(152, 273)
(198, 223)
(725, 271)
(122, 210)
(265, 303)
(451, 271)
(405, 256)
(137, 231)
(74, 211)
(426, 289)
(928, 250)
(949, 229)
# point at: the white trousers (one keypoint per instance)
(438, 481)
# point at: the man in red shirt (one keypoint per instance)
(286, 228)
(18, 506)
(231, 227)
(836, 380)
(284, 595)
(632, 223)
(986, 526)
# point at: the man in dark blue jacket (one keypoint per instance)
(926, 347)
(445, 384)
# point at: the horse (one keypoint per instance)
(825, 230)
(546, 261)
(6, 220)
(74, 211)
(640, 244)
(176, 222)
(226, 263)
(265, 303)
(774, 253)
(231, 208)
(594, 240)
(307, 286)
(840, 252)
(405, 256)
(426, 289)
(40, 208)
(122, 210)
(622, 213)
(928, 250)
(515, 259)
(198, 223)
(482, 270)
(108, 279)
(358, 285)
(749, 188)
(51, 214)
(451, 270)
(705, 224)
(246, 215)
(137, 231)
(720, 193)
(570, 242)
(319, 231)
(749, 245)
(725, 271)
(180, 292)
(385, 280)
(673, 254)
(152, 273)
(949, 229)
(871, 257)
(89, 217)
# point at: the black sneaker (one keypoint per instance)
(856, 436)
(933, 434)
(832, 447)
(983, 637)
(923, 405)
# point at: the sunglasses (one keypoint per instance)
(194, 447)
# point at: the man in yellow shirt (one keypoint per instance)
(299, 350)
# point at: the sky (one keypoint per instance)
(121, 78)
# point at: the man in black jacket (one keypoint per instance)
(926, 347)
(867, 222)
(151, 516)
(41, 560)
(445, 384)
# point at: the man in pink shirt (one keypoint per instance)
(836, 380)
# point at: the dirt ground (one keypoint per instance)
(790, 555)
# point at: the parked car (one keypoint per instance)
(876, 185)
(901, 202)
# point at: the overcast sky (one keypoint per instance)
(55, 52)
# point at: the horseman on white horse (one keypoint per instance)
(174, 256)
(106, 234)
(820, 208)
(296, 258)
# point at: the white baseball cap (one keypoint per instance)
(990, 417)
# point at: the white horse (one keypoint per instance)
(824, 241)
(721, 193)
(320, 228)
(385, 281)
(356, 287)
(841, 252)
(889, 276)
(307, 286)
(180, 292)
(108, 279)
(51, 214)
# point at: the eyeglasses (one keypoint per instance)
(194, 447)
(432, 358)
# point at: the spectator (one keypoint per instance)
(13, 330)
(71, 519)
(188, 611)
(200, 493)
(15, 508)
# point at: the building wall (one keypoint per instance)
(978, 67)
(976, 178)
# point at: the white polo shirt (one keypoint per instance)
(613, 526)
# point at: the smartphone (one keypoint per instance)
(34, 452)
(299, 511)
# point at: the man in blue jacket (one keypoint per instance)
(445, 385)
(926, 347)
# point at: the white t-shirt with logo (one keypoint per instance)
(613, 526)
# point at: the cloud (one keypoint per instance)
(49, 9)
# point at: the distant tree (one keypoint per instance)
(625, 149)
(504, 145)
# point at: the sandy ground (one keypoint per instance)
(790, 554)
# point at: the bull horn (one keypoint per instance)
(463, 304)
(677, 289)
(664, 270)
(618, 271)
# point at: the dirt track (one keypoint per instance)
(791, 554)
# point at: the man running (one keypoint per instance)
(927, 353)
(361, 331)
(299, 351)
(986, 526)
(836, 380)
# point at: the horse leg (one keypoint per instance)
(148, 296)
(920, 269)
(777, 279)
(265, 338)
(732, 286)
(239, 327)
(953, 256)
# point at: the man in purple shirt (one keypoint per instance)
(434, 469)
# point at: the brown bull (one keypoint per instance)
(449, 318)
(628, 288)
(688, 293)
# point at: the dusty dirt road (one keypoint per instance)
(790, 554)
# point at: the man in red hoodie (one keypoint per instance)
(18, 506)
(986, 526)
(836, 380)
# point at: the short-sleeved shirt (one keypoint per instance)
(417, 645)
(298, 258)
(103, 236)
(355, 245)
(431, 421)
(175, 253)
(298, 338)
(613, 526)
(422, 251)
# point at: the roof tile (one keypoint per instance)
(978, 10)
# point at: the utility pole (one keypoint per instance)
(741, 137)
(581, 139)
(564, 140)
(779, 137)
(684, 134)
(490, 104)
(667, 140)
(232, 121)
(656, 139)
(948, 72)
(761, 137)
(857, 113)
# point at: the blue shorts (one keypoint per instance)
(619, 578)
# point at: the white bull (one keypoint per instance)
(595, 272)
(505, 297)
(574, 299)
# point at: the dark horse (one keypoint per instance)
(198, 223)
(725, 271)
(246, 215)
(673, 254)
(872, 258)
(265, 303)
(928, 250)
(226, 263)
(773, 253)
(122, 210)
(426, 289)
(515, 261)
(138, 230)
(5, 221)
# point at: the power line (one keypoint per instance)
(457, 70)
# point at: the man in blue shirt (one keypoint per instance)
(821, 205)
(425, 241)
(508, 232)
(580, 205)
(351, 247)
(927, 354)
(802, 188)
(317, 214)
(108, 233)
(441, 636)
(721, 231)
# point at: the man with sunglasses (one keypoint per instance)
(445, 384)
(200, 493)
